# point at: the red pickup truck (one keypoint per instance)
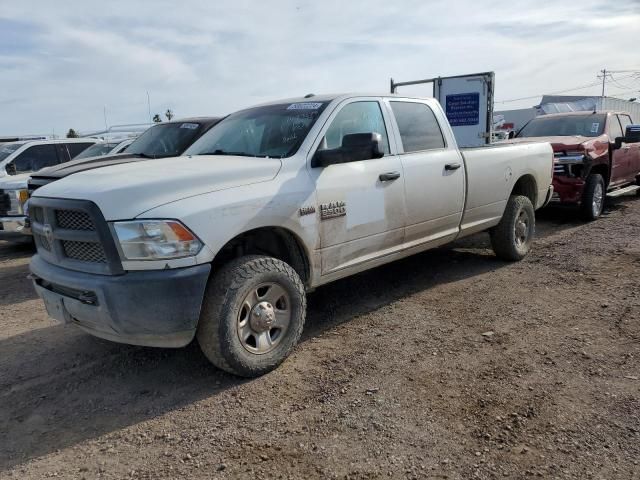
(596, 154)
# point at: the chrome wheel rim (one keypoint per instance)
(598, 197)
(264, 318)
(521, 228)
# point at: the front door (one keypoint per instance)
(361, 203)
(631, 151)
(619, 157)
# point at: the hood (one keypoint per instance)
(125, 191)
(568, 144)
(10, 182)
(82, 164)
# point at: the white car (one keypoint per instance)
(276, 200)
(17, 161)
(107, 147)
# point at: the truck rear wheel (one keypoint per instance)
(593, 197)
(511, 238)
(253, 315)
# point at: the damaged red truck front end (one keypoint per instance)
(592, 156)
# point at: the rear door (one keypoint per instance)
(434, 174)
(361, 212)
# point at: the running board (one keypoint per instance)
(623, 191)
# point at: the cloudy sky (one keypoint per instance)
(62, 64)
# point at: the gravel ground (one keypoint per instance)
(450, 364)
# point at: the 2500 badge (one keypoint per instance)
(332, 210)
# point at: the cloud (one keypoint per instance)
(63, 68)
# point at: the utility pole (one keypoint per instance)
(604, 79)
(149, 107)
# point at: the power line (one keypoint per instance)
(606, 73)
(620, 85)
(553, 93)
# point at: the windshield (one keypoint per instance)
(165, 140)
(269, 131)
(591, 125)
(96, 150)
(8, 148)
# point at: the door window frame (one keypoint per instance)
(397, 127)
(391, 138)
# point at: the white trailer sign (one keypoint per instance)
(468, 103)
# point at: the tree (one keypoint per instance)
(156, 118)
(72, 133)
(169, 114)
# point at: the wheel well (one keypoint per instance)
(526, 185)
(272, 241)
(602, 170)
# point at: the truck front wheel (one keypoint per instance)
(511, 238)
(593, 197)
(252, 316)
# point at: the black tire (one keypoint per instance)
(510, 239)
(591, 207)
(225, 298)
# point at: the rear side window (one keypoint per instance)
(419, 129)
(76, 148)
(35, 158)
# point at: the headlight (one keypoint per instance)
(155, 240)
(17, 199)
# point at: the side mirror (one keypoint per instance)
(632, 134)
(512, 134)
(11, 168)
(617, 144)
(355, 147)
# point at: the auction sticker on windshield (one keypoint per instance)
(304, 106)
(594, 127)
(190, 126)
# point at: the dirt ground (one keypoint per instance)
(450, 364)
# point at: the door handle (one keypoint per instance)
(452, 166)
(389, 176)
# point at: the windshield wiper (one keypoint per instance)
(223, 152)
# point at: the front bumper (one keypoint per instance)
(568, 189)
(12, 227)
(155, 308)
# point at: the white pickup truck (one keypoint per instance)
(273, 202)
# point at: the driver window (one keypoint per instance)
(35, 158)
(356, 117)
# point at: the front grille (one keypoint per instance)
(559, 169)
(74, 235)
(5, 203)
(84, 251)
(74, 220)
